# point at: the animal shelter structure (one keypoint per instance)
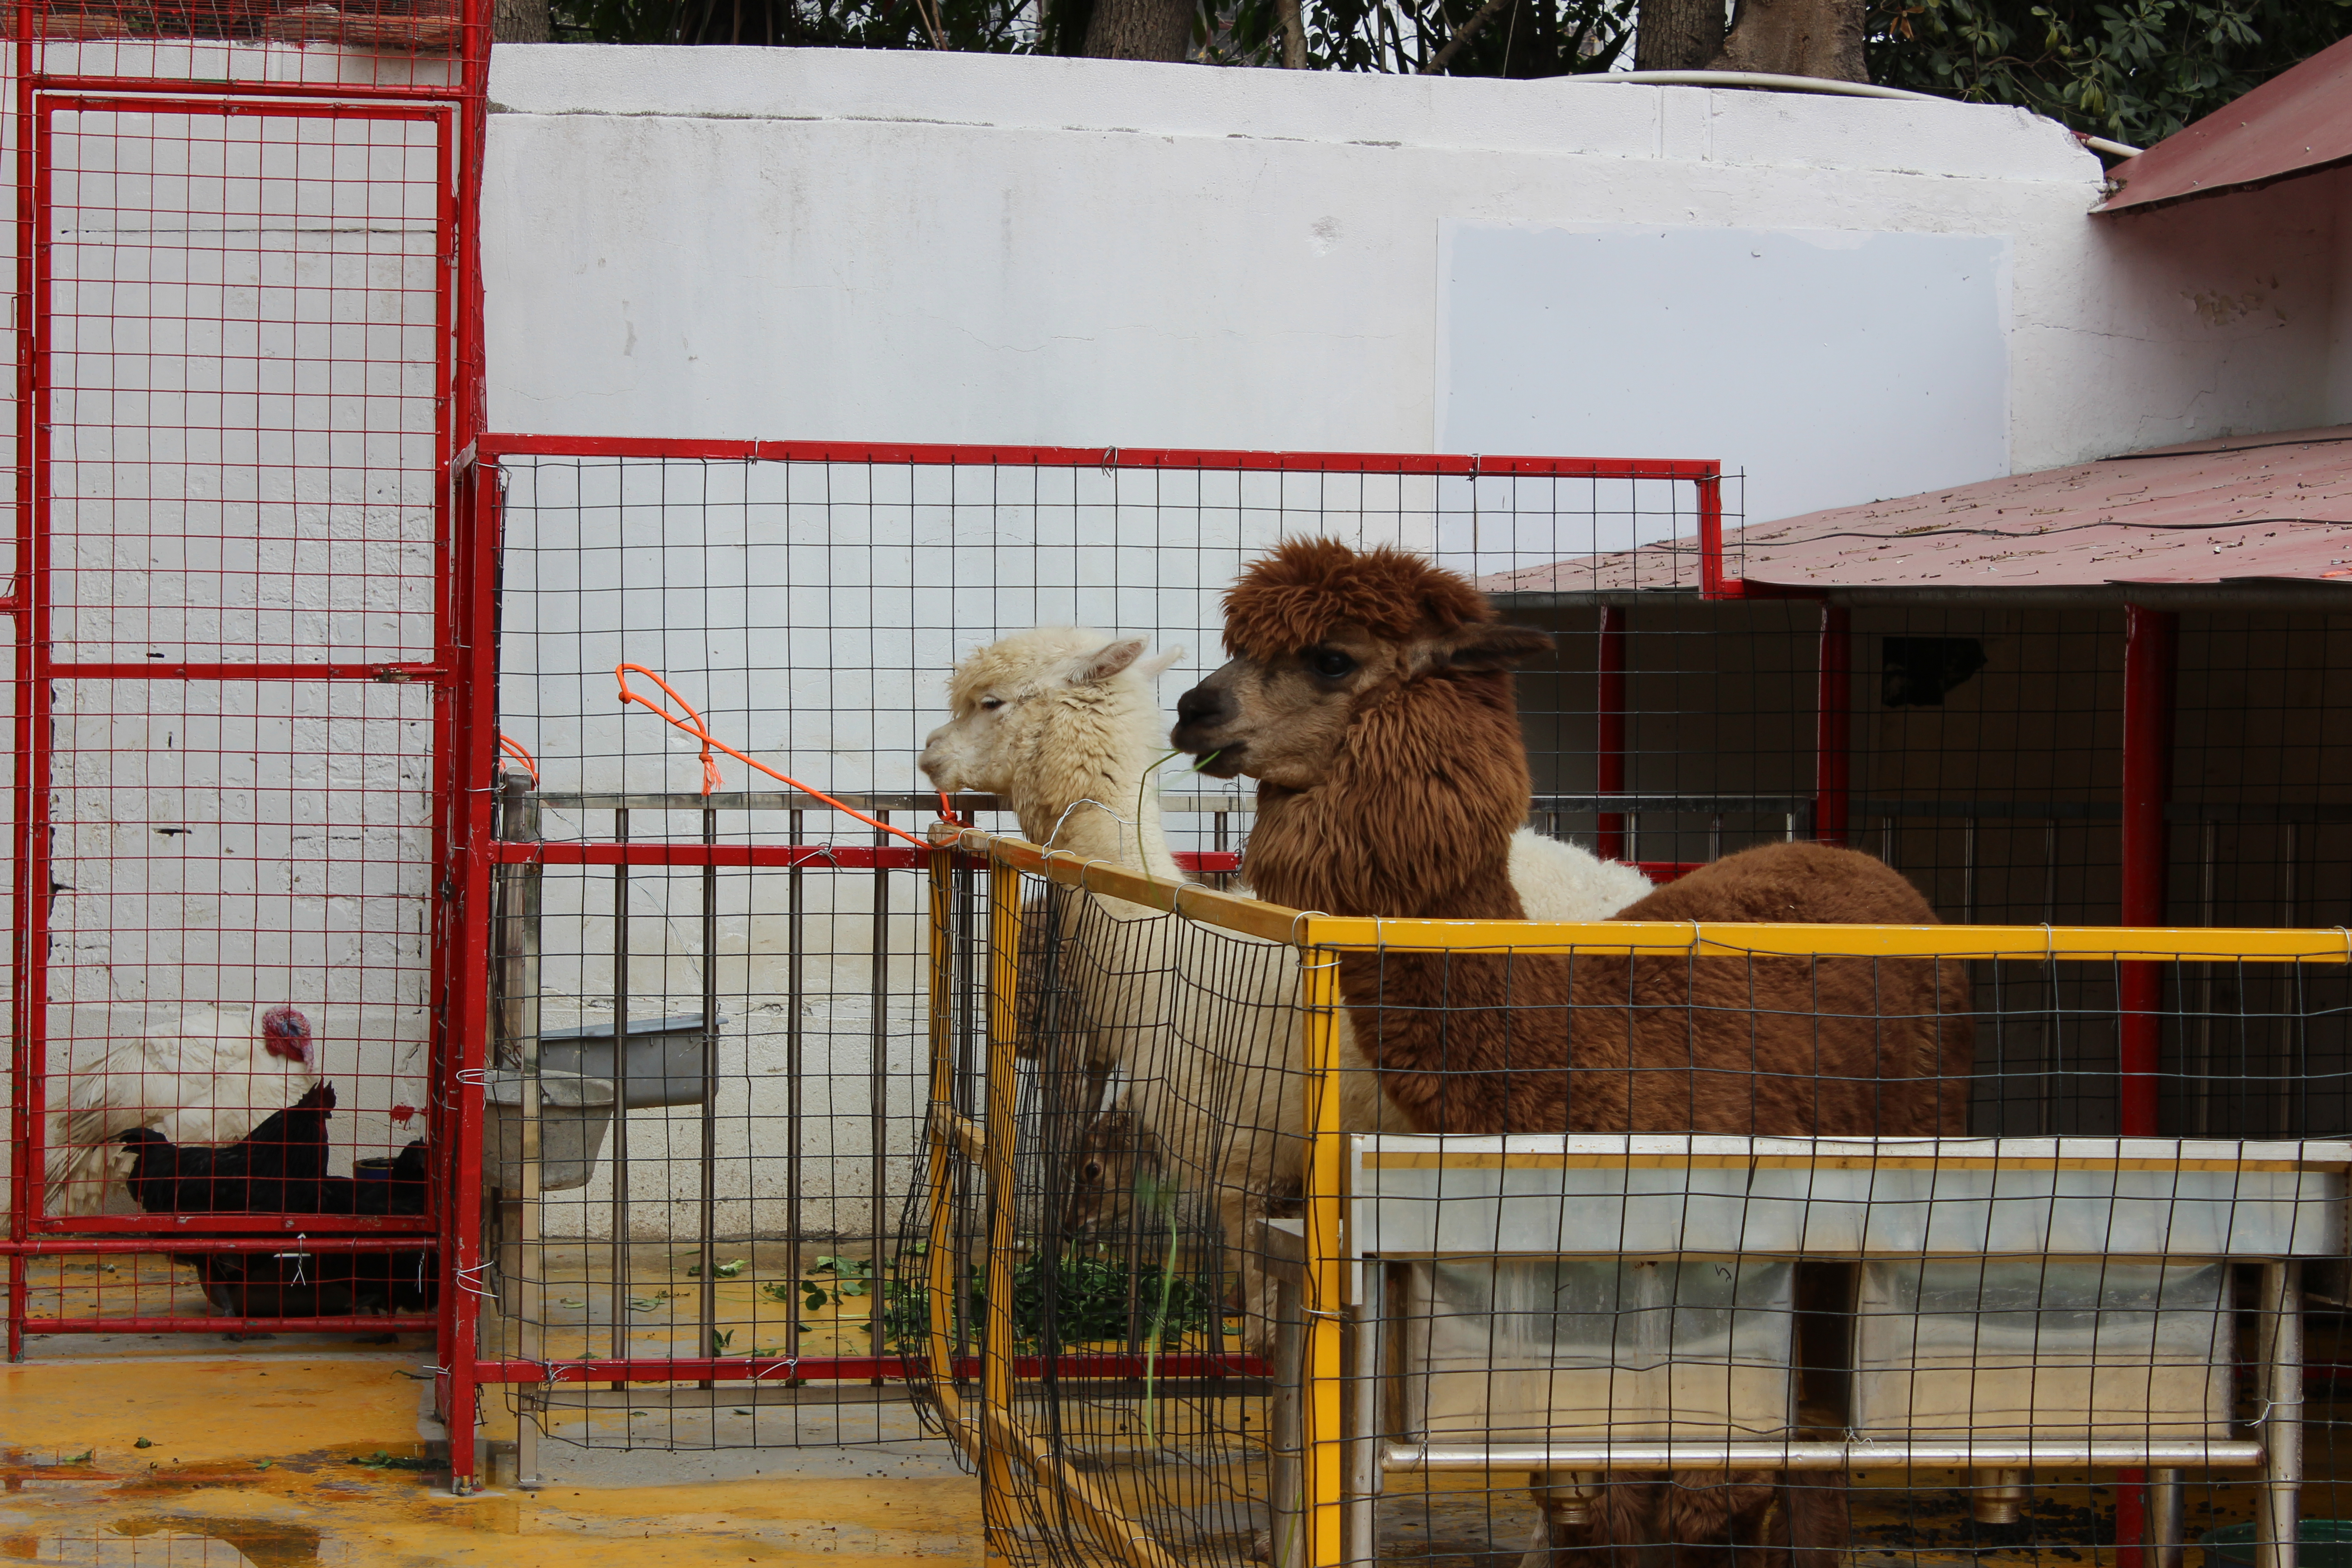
(246, 600)
(752, 1115)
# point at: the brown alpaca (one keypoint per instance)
(1370, 696)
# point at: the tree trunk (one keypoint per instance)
(520, 22)
(1140, 30)
(1678, 35)
(1796, 38)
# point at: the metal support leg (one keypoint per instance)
(1363, 1405)
(617, 1287)
(2277, 1513)
(2163, 1520)
(1287, 1523)
(1996, 1497)
(706, 1233)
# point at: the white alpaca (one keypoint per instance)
(1203, 1026)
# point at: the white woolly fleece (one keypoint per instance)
(1558, 882)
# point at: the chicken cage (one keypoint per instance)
(244, 589)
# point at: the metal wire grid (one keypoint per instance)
(808, 610)
(1128, 1424)
(394, 46)
(243, 331)
(1984, 759)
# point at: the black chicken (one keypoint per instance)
(277, 1168)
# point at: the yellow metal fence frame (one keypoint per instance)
(998, 1434)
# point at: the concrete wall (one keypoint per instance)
(942, 247)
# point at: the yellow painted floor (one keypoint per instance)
(276, 1455)
(175, 1450)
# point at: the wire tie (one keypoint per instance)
(1110, 460)
(477, 1076)
(1305, 915)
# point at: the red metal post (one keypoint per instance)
(1833, 726)
(1609, 753)
(2150, 638)
(2149, 654)
(24, 1125)
(1711, 579)
(473, 754)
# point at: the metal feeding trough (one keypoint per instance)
(574, 1112)
(1576, 1306)
(663, 1066)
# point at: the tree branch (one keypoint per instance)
(1478, 19)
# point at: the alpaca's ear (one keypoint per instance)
(1160, 663)
(1487, 647)
(1105, 661)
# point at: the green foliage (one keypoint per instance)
(379, 1460)
(2136, 71)
(1097, 1295)
(1523, 39)
(975, 25)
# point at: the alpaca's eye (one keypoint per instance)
(1092, 1172)
(990, 704)
(1331, 663)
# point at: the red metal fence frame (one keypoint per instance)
(462, 734)
(467, 1370)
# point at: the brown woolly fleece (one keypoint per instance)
(1414, 818)
(1294, 597)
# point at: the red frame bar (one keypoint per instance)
(229, 104)
(28, 612)
(1609, 721)
(384, 1325)
(2151, 662)
(1706, 473)
(2150, 652)
(188, 87)
(77, 1246)
(856, 1369)
(782, 856)
(1833, 726)
(1711, 583)
(125, 669)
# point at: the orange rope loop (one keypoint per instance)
(514, 749)
(692, 725)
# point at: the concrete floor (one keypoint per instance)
(183, 1449)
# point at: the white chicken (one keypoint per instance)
(211, 1078)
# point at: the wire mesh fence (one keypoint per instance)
(1791, 1340)
(234, 584)
(724, 1201)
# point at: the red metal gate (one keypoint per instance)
(246, 602)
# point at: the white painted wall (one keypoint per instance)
(899, 246)
(945, 248)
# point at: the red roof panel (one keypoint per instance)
(2298, 123)
(2259, 507)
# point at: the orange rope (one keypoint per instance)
(692, 725)
(514, 749)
